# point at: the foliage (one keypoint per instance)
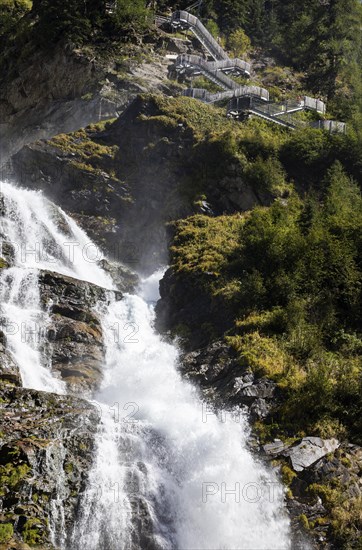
(132, 14)
(11, 11)
(238, 42)
(6, 532)
(70, 18)
(291, 276)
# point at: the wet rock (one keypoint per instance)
(123, 278)
(309, 451)
(74, 333)
(46, 444)
(217, 370)
(9, 371)
(275, 448)
(7, 254)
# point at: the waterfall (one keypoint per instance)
(168, 473)
(38, 236)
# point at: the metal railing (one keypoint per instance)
(241, 91)
(258, 104)
(186, 20)
(228, 65)
(314, 104)
(332, 126)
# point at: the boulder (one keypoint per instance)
(309, 450)
(217, 370)
(74, 333)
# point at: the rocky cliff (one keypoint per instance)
(47, 91)
(126, 205)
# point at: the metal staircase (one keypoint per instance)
(185, 20)
(243, 100)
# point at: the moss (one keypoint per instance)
(3, 263)
(87, 152)
(346, 462)
(203, 245)
(68, 468)
(11, 475)
(263, 355)
(304, 521)
(344, 512)
(6, 532)
(287, 475)
(33, 531)
(318, 522)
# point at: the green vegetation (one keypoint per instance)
(132, 14)
(11, 13)
(344, 512)
(11, 475)
(238, 43)
(6, 532)
(89, 154)
(33, 531)
(290, 275)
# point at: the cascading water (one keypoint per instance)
(168, 473)
(29, 228)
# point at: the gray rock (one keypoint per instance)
(275, 448)
(9, 371)
(124, 279)
(74, 334)
(46, 450)
(309, 451)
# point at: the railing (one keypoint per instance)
(279, 113)
(184, 19)
(161, 20)
(332, 126)
(229, 65)
(241, 91)
(192, 62)
(314, 104)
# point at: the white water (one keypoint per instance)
(161, 457)
(31, 228)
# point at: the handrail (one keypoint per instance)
(193, 61)
(184, 19)
(241, 91)
(331, 126)
(280, 113)
(233, 65)
(314, 104)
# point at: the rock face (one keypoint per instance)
(126, 205)
(9, 371)
(222, 379)
(47, 92)
(46, 444)
(74, 332)
(186, 306)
